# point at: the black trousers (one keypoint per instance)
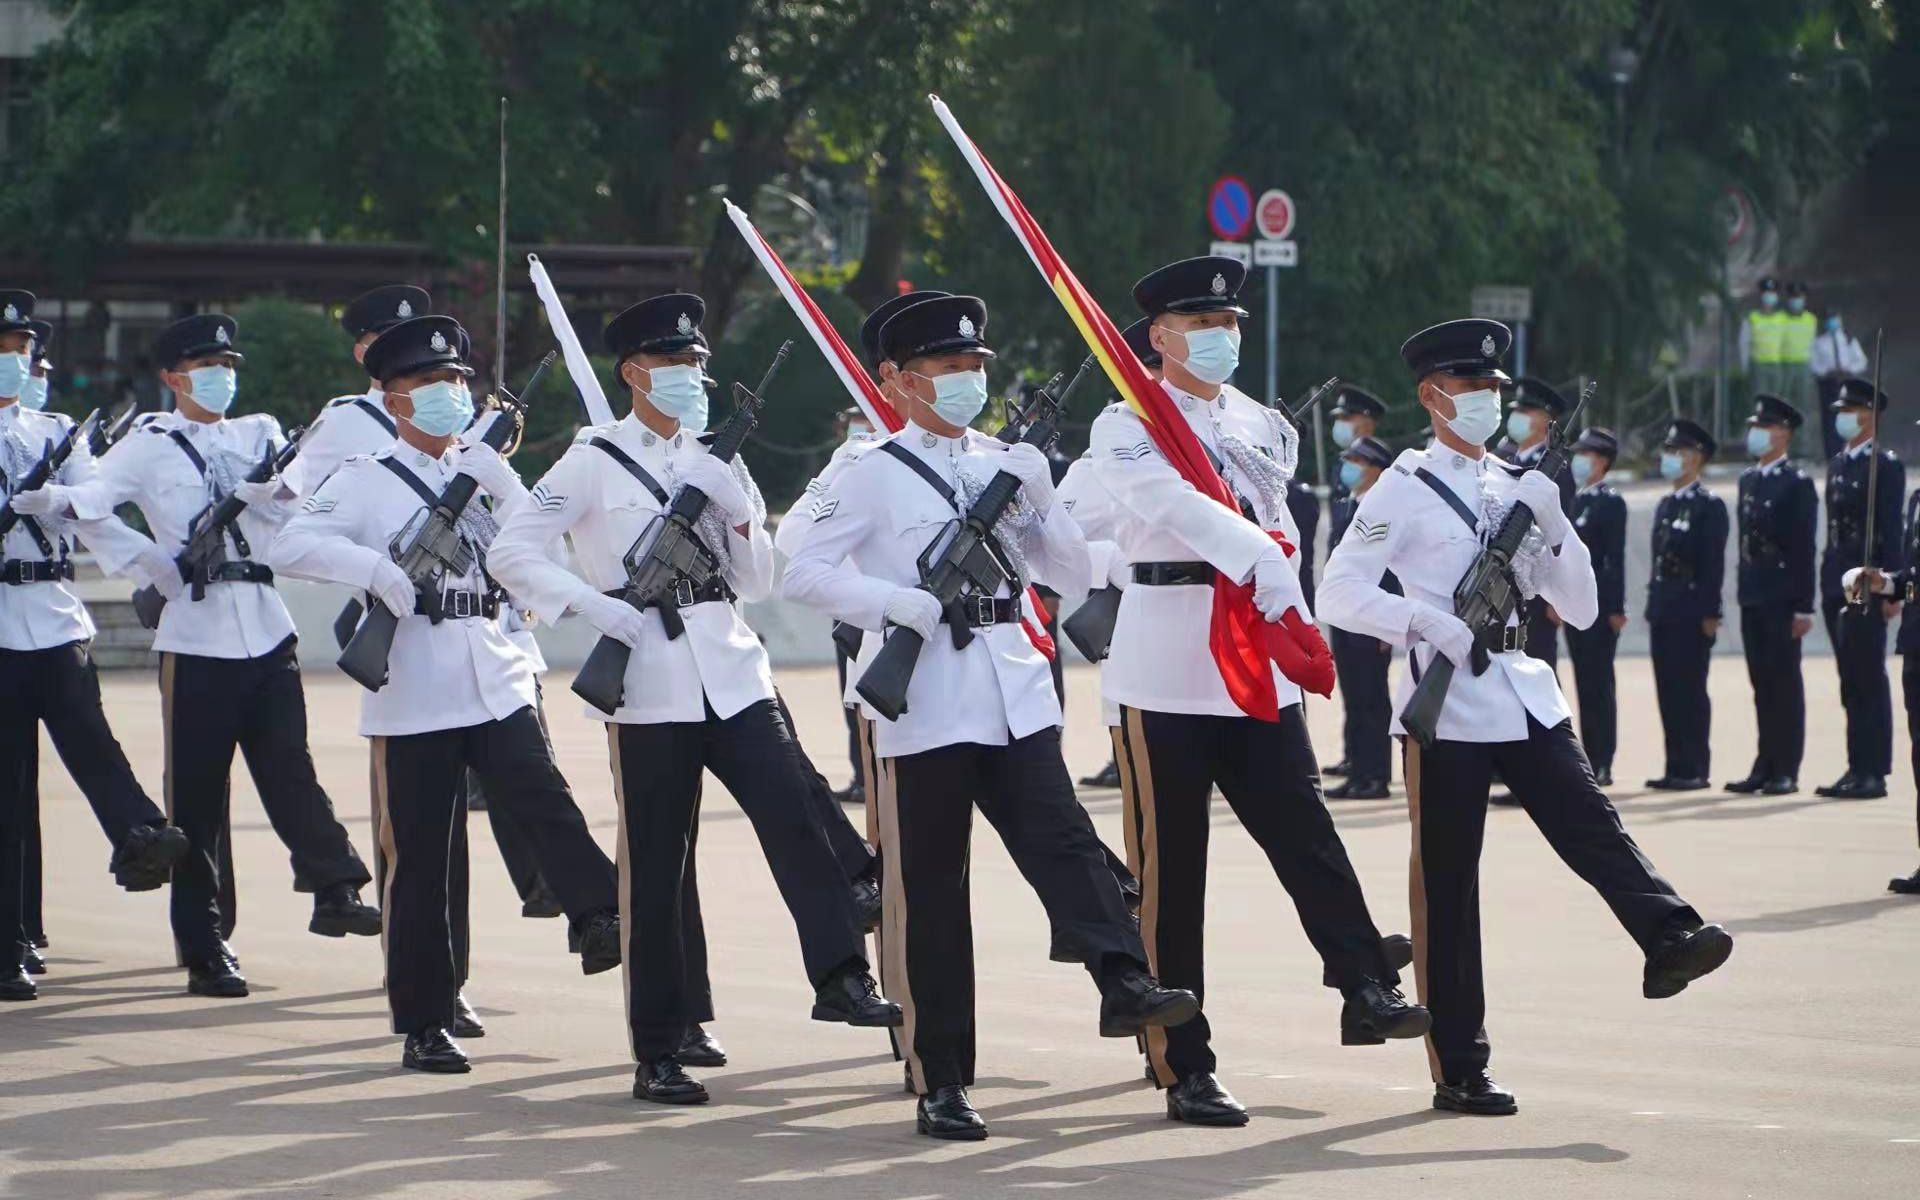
(1860, 654)
(850, 850)
(513, 839)
(656, 775)
(420, 790)
(1169, 766)
(1681, 653)
(853, 719)
(1779, 691)
(1910, 689)
(1361, 664)
(1447, 797)
(1543, 636)
(925, 806)
(208, 707)
(1592, 650)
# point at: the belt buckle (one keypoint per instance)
(461, 606)
(683, 592)
(983, 615)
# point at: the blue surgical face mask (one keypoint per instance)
(1212, 354)
(1519, 425)
(1796, 304)
(214, 387)
(1672, 466)
(15, 370)
(1582, 468)
(1833, 324)
(34, 394)
(680, 392)
(1350, 474)
(1759, 440)
(959, 397)
(1769, 299)
(1847, 425)
(441, 409)
(1476, 415)
(1343, 434)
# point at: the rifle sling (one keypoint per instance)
(919, 467)
(1452, 498)
(426, 494)
(200, 465)
(386, 422)
(632, 468)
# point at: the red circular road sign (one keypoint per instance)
(1230, 208)
(1275, 214)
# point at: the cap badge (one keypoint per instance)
(438, 342)
(1486, 345)
(967, 329)
(11, 313)
(220, 335)
(685, 325)
(1219, 285)
(405, 310)
(1673, 433)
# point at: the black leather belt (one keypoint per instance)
(1173, 574)
(20, 571)
(1504, 640)
(983, 611)
(237, 571)
(683, 593)
(460, 605)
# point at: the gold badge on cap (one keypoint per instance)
(1486, 345)
(220, 335)
(10, 313)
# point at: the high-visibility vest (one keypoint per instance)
(1768, 335)
(1797, 331)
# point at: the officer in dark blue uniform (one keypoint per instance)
(1360, 661)
(1599, 515)
(1355, 414)
(1902, 586)
(1534, 406)
(1779, 521)
(1683, 604)
(1859, 635)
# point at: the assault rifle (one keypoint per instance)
(668, 563)
(429, 548)
(49, 464)
(1486, 595)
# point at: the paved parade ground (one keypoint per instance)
(1794, 1072)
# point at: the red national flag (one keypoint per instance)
(1242, 641)
(853, 374)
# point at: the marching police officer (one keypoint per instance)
(229, 677)
(459, 693)
(982, 722)
(1869, 585)
(702, 700)
(1599, 515)
(47, 674)
(1362, 661)
(1531, 412)
(1779, 522)
(1181, 732)
(1683, 604)
(1356, 414)
(1859, 634)
(1422, 523)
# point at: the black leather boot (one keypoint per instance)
(1476, 1095)
(599, 941)
(16, 985)
(700, 1049)
(1906, 885)
(1200, 1100)
(466, 1022)
(1683, 957)
(433, 1050)
(947, 1114)
(541, 903)
(1131, 1000)
(1377, 1011)
(145, 858)
(866, 901)
(218, 977)
(663, 1082)
(339, 911)
(851, 997)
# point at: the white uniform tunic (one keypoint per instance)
(347, 427)
(39, 616)
(461, 672)
(718, 660)
(1160, 660)
(1403, 526)
(149, 469)
(870, 528)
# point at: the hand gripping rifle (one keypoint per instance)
(970, 566)
(1486, 595)
(668, 563)
(429, 548)
(200, 560)
(1090, 627)
(49, 465)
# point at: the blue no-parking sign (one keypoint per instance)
(1230, 208)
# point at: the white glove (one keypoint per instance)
(1119, 571)
(1447, 633)
(390, 585)
(615, 618)
(155, 568)
(722, 487)
(41, 501)
(1542, 495)
(489, 470)
(914, 609)
(258, 495)
(1029, 464)
(1850, 582)
(1276, 588)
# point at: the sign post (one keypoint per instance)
(1509, 304)
(1274, 215)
